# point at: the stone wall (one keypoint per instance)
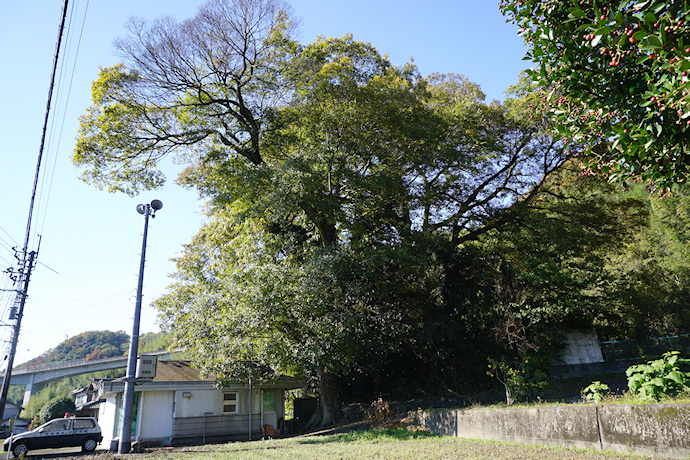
(643, 429)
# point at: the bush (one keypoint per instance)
(521, 379)
(659, 378)
(595, 392)
(57, 408)
(381, 416)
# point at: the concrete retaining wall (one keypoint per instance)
(645, 429)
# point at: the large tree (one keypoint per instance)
(615, 77)
(338, 186)
(331, 257)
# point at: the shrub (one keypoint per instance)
(595, 392)
(520, 379)
(380, 415)
(662, 377)
(57, 408)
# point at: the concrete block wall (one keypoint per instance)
(643, 429)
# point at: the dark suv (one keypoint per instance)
(61, 432)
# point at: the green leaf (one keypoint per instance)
(676, 377)
(603, 30)
(654, 40)
(657, 381)
(639, 35)
(650, 18)
(576, 12)
(659, 8)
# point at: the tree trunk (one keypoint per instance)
(329, 411)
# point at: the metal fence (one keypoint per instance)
(643, 350)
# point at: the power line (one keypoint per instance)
(55, 150)
(10, 236)
(27, 265)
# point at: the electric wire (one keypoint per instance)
(6, 244)
(9, 203)
(6, 261)
(9, 236)
(55, 148)
(26, 267)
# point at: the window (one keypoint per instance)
(269, 401)
(229, 403)
(57, 425)
(83, 424)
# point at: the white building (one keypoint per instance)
(177, 406)
(20, 424)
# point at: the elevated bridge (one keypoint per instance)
(36, 377)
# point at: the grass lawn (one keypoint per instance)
(394, 444)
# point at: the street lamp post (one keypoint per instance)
(126, 427)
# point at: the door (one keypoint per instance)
(57, 433)
(156, 415)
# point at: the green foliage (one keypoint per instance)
(649, 271)
(192, 89)
(87, 345)
(545, 268)
(62, 388)
(365, 224)
(614, 76)
(595, 392)
(155, 341)
(330, 256)
(658, 378)
(56, 408)
(93, 345)
(15, 394)
(519, 379)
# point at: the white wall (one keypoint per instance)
(106, 420)
(155, 416)
(203, 401)
(198, 403)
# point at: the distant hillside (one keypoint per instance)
(92, 345)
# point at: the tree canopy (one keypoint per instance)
(614, 75)
(336, 183)
(365, 223)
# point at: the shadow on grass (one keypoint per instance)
(397, 434)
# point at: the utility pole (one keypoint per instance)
(130, 380)
(26, 267)
(22, 295)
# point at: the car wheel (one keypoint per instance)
(19, 449)
(89, 445)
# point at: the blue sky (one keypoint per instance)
(91, 240)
